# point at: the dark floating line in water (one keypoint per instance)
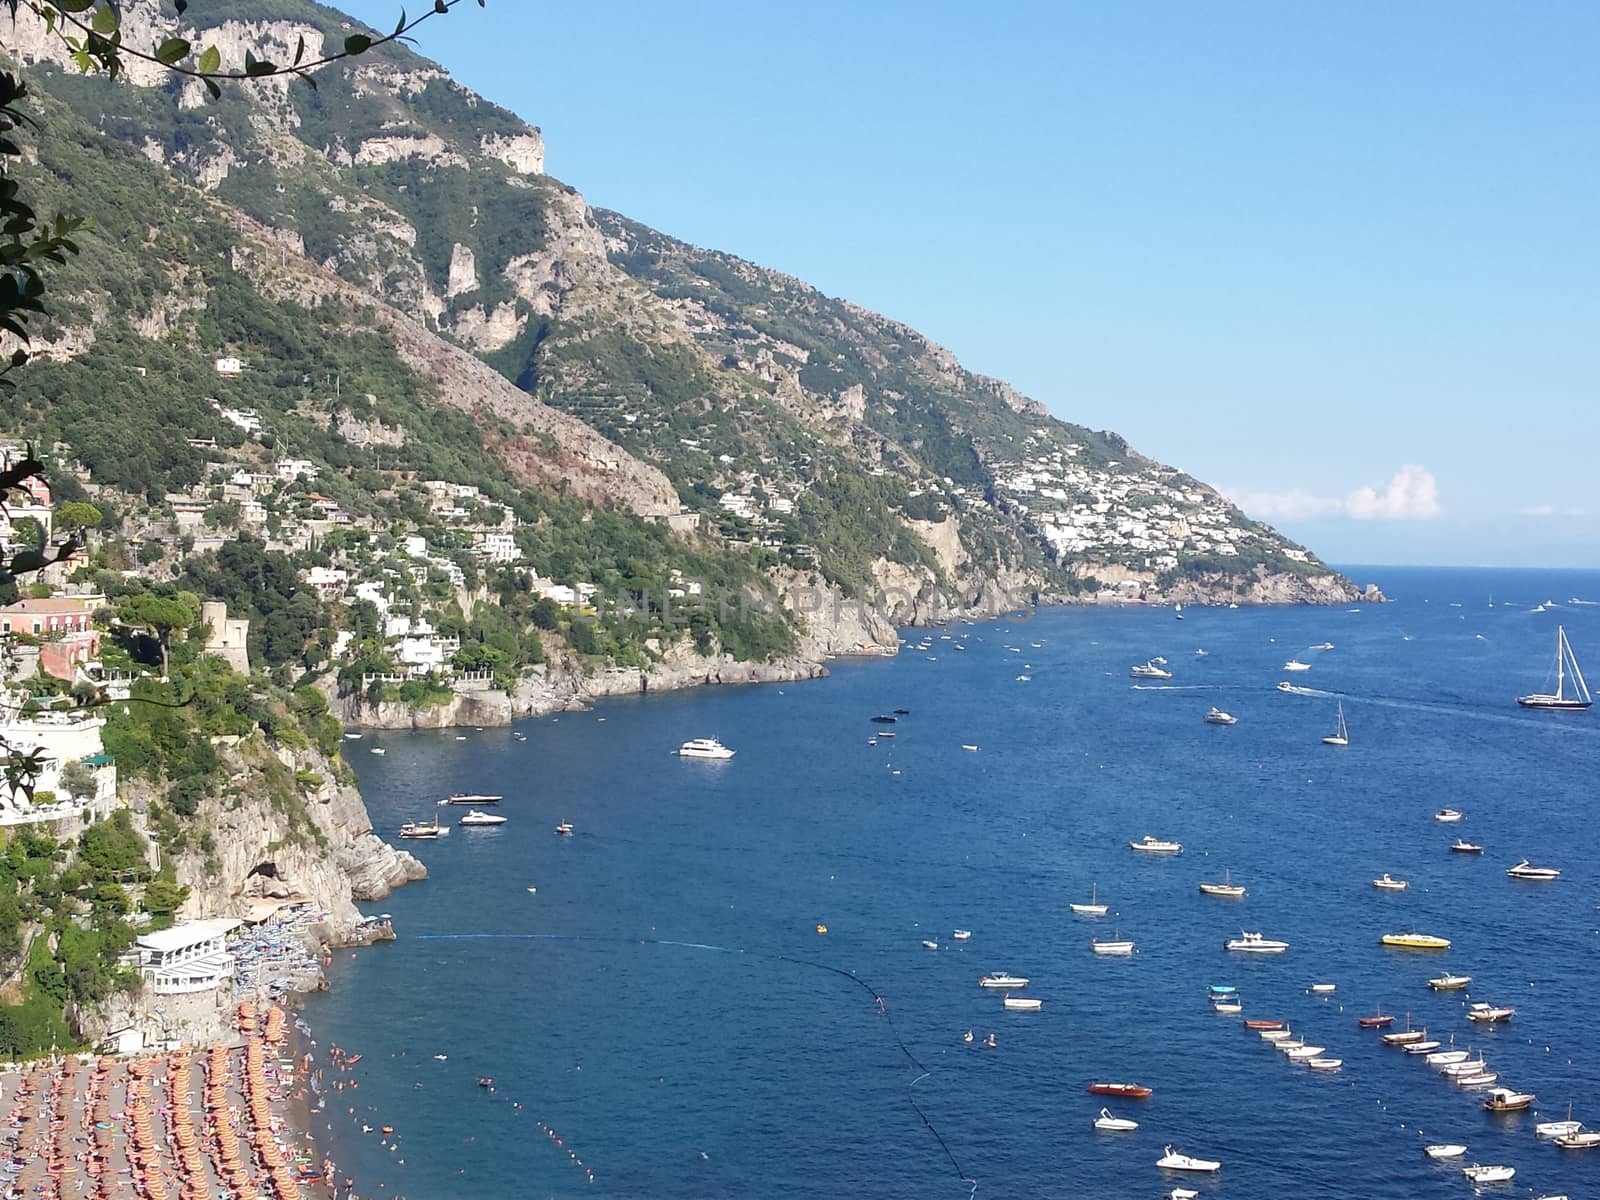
(877, 999)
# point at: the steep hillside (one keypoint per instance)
(808, 437)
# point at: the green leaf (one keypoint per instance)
(258, 67)
(439, 6)
(299, 49)
(181, 5)
(174, 49)
(104, 22)
(74, 6)
(401, 27)
(211, 86)
(210, 60)
(357, 43)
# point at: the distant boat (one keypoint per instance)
(1227, 1006)
(1415, 941)
(1323, 646)
(962, 935)
(884, 719)
(352, 737)
(1405, 1037)
(1490, 1014)
(377, 750)
(1525, 870)
(1119, 946)
(1149, 670)
(968, 746)
(1378, 1020)
(564, 829)
(1444, 1150)
(927, 945)
(1388, 884)
(1022, 1004)
(1494, 1174)
(1447, 815)
(1462, 846)
(1449, 983)
(1129, 1091)
(709, 748)
(1571, 691)
(1106, 1123)
(1263, 1024)
(1324, 989)
(1341, 732)
(416, 829)
(1506, 1100)
(1172, 1160)
(1584, 1139)
(1254, 943)
(1177, 611)
(518, 735)
(473, 798)
(474, 817)
(1227, 888)
(1325, 1064)
(1285, 686)
(1150, 844)
(1294, 664)
(1002, 979)
(1217, 717)
(1092, 909)
(1555, 1129)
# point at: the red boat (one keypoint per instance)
(1128, 1091)
(1377, 1021)
(1263, 1024)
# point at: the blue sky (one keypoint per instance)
(1342, 260)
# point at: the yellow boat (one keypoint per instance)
(1416, 941)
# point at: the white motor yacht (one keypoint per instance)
(1217, 717)
(1494, 1174)
(1254, 943)
(1294, 664)
(1388, 884)
(1448, 815)
(962, 935)
(1149, 670)
(709, 748)
(1003, 979)
(472, 798)
(1106, 1123)
(1172, 1160)
(1526, 870)
(1150, 844)
(474, 817)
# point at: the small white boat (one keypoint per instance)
(1449, 983)
(1462, 846)
(1465, 1067)
(962, 935)
(1106, 1123)
(1341, 732)
(1092, 909)
(1325, 1064)
(709, 748)
(1149, 670)
(352, 737)
(416, 829)
(1323, 646)
(1288, 1044)
(1294, 664)
(1305, 1053)
(1276, 1035)
(1254, 943)
(1324, 989)
(564, 829)
(1526, 870)
(377, 750)
(1119, 946)
(1285, 686)
(927, 945)
(1021, 1004)
(1227, 889)
(1389, 884)
(1227, 1007)
(1002, 979)
(1584, 1139)
(1444, 1150)
(1494, 1174)
(1555, 1129)
(1426, 1046)
(1443, 1058)
(1477, 1079)
(1172, 1160)
(1490, 1014)
(474, 817)
(969, 747)
(1178, 1193)
(1151, 844)
(1217, 717)
(533, 891)
(1448, 815)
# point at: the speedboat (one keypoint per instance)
(1294, 664)
(1171, 1160)
(1305, 1053)
(1505, 1100)
(1092, 909)
(564, 829)
(1444, 1150)
(1119, 946)
(377, 750)
(1490, 1014)
(927, 945)
(708, 748)
(1525, 870)
(962, 935)
(1448, 815)
(1149, 670)
(1495, 1174)
(1106, 1123)
(1128, 1091)
(1021, 1004)
(1462, 846)
(1227, 889)
(1555, 1129)
(1388, 884)
(1415, 941)
(1254, 943)
(473, 798)
(474, 817)
(1217, 717)
(1178, 1193)
(1285, 686)
(1002, 979)
(1449, 983)
(1584, 1139)
(1151, 844)
(1323, 646)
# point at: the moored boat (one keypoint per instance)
(1571, 691)
(1324, 1064)
(1503, 1099)
(1217, 717)
(1263, 1025)
(1003, 979)
(1426, 1046)
(1490, 1014)
(1092, 909)
(708, 748)
(474, 817)
(1022, 1004)
(929, 945)
(1129, 1091)
(1526, 870)
(1449, 983)
(962, 935)
(1444, 1150)
(1119, 946)
(1110, 1124)
(1462, 846)
(1584, 1139)
(1150, 844)
(416, 829)
(1227, 889)
(564, 829)
(473, 798)
(1388, 884)
(1404, 1037)
(1254, 943)
(1493, 1174)
(1555, 1129)
(1448, 816)
(1415, 941)
(1378, 1020)
(1173, 1160)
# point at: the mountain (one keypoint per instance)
(416, 299)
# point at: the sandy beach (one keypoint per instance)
(229, 1120)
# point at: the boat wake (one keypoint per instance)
(1466, 709)
(1179, 687)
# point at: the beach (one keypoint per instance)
(229, 1119)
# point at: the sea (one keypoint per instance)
(664, 1018)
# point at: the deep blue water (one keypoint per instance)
(675, 1071)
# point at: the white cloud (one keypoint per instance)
(1412, 494)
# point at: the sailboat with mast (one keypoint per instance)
(1341, 732)
(1092, 909)
(1571, 691)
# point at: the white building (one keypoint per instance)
(191, 957)
(229, 366)
(416, 546)
(61, 738)
(497, 546)
(295, 468)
